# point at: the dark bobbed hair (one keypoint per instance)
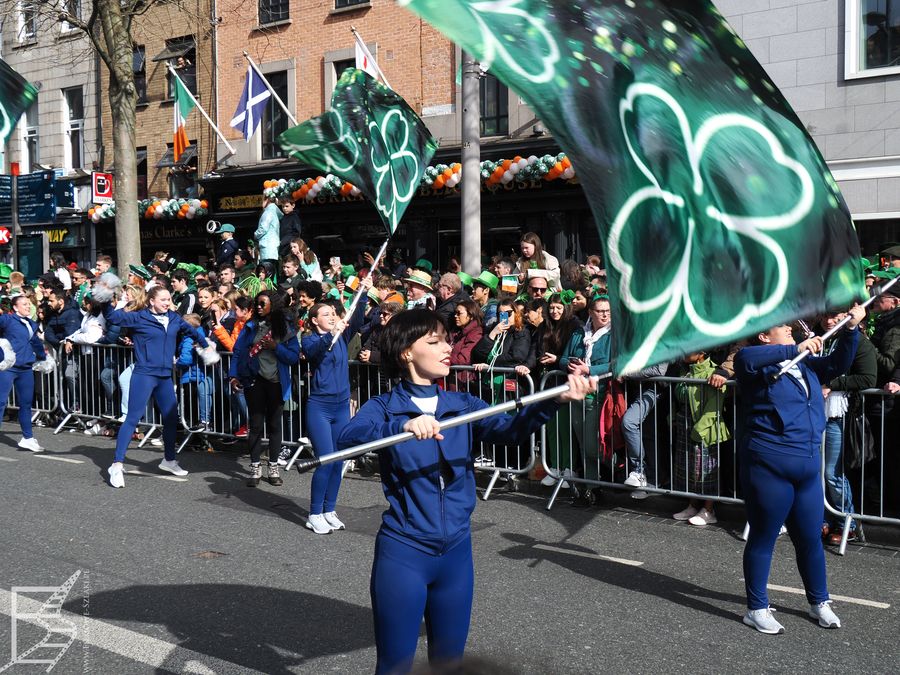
(400, 334)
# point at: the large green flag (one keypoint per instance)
(16, 96)
(370, 138)
(718, 214)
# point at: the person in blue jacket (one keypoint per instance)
(328, 406)
(779, 437)
(265, 350)
(156, 333)
(423, 550)
(22, 334)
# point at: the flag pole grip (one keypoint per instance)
(358, 295)
(838, 326)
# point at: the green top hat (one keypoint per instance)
(5, 271)
(487, 279)
(423, 264)
(347, 271)
(140, 271)
(466, 279)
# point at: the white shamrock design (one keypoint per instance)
(397, 159)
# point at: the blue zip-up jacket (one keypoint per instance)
(430, 484)
(245, 369)
(779, 417)
(330, 378)
(63, 323)
(28, 347)
(154, 346)
(188, 361)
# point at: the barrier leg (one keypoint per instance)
(487, 493)
(556, 489)
(63, 423)
(746, 532)
(147, 436)
(846, 533)
(184, 443)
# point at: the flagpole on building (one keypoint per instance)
(269, 87)
(187, 91)
(362, 44)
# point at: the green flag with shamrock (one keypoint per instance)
(370, 138)
(16, 96)
(718, 214)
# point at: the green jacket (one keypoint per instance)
(703, 404)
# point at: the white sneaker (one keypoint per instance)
(30, 444)
(172, 467)
(703, 518)
(763, 621)
(782, 531)
(825, 615)
(317, 523)
(156, 442)
(335, 522)
(93, 430)
(687, 514)
(116, 475)
(548, 480)
(483, 461)
(640, 494)
(636, 479)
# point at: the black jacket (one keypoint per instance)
(445, 308)
(227, 249)
(863, 372)
(62, 324)
(289, 229)
(886, 340)
(514, 352)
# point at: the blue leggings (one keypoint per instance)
(142, 387)
(23, 379)
(325, 421)
(408, 584)
(782, 489)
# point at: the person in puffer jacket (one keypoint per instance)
(423, 551)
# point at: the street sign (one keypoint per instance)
(5, 236)
(102, 187)
(6, 192)
(36, 198)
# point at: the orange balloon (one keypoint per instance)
(90, 212)
(204, 204)
(439, 182)
(447, 173)
(182, 215)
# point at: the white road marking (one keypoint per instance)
(839, 598)
(585, 554)
(138, 472)
(8, 459)
(68, 460)
(132, 645)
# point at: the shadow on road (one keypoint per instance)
(264, 629)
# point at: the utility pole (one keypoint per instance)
(471, 166)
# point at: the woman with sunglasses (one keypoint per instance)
(423, 552)
(328, 406)
(260, 367)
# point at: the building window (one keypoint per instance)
(73, 121)
(338, 4)
(181, 53)
(139, 66)
(494, 107)
(271, 11)
(873, 38)
(142, 173)
(27, 20)
(182, 177)
(341, 66)
(31, 147)
(73, 9)
(274, 121)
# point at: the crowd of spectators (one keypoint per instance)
(526, 314)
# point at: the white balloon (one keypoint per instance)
(506, 177)
(451, 182)
(568, 173)
(195, 203)
(320, 182)
(355, 191)
(514, 168)
(522, 163)
(159, 209)
(532, 159)
(157, 215)
(191, 211)
(96, 217)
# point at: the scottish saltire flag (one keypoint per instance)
(718, 214)
(252, 104)
(370, 138)
(16, 96)
(184, 104)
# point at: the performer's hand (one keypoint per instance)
(364, 355)
(579, 387)
(812, 345)
(424, 426)
(236, 385)
(366, 283)
(857, 314)
(825, 392)
(892, 388)
(716, 381)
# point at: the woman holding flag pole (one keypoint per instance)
(423, 552)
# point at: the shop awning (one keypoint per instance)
(174, 51)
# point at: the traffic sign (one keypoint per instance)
(102, 187)
(5, 236)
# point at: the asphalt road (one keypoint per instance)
(205, 575)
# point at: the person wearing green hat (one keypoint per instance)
(424, 265)
(5, 271)
(892, 255)
(466, 280)
(138, 275)
(228, 247)
(484, 288)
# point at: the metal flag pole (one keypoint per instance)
(362, 44)
(304, 465)
(840, 324)
(228, 145)
(269, 87)
(355, 301)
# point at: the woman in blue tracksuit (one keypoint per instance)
(156, 333)
(21, 332)
(328, 406)
(263, 354)
(423, 551)
(779, 438)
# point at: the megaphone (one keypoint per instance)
(212, 226)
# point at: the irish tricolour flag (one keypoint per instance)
(184, 103)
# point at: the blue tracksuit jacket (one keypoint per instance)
(154, 346)
(28, 347)
(430, 485)
(330, 379)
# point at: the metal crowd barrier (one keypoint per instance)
(46, 391)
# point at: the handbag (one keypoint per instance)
(859, 442)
